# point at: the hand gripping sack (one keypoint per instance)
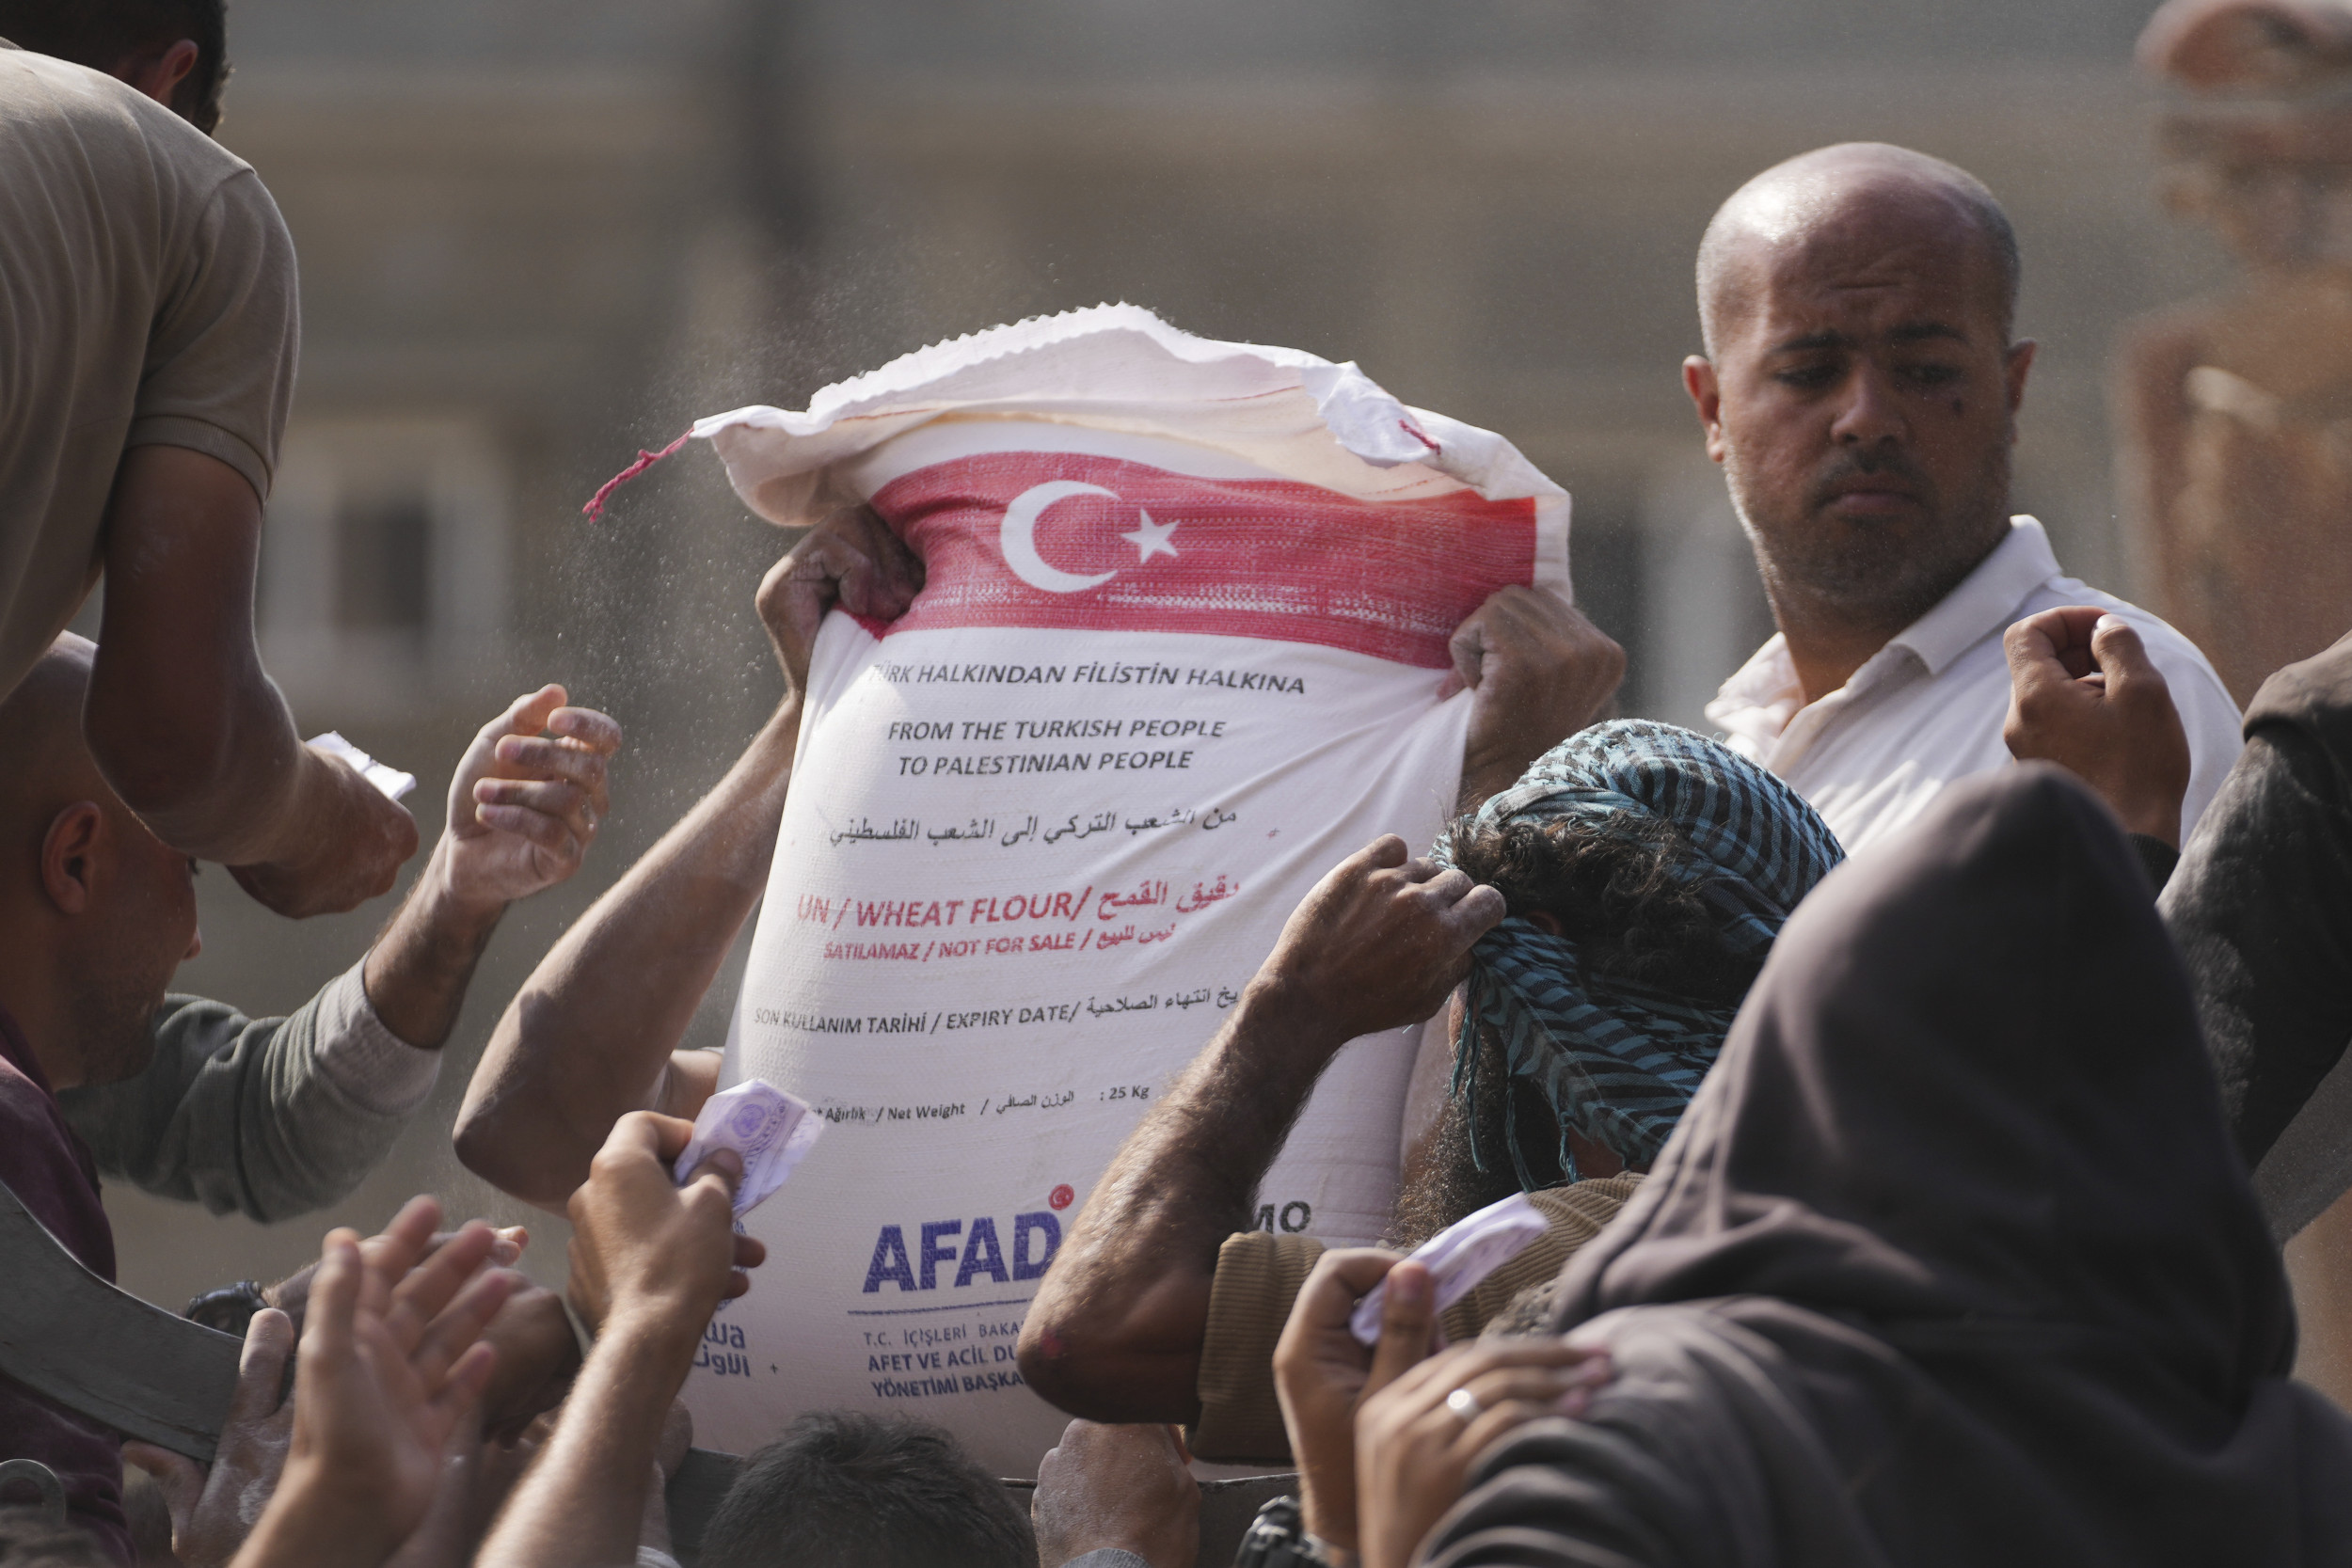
(1178, 652)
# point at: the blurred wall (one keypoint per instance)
(536, 237)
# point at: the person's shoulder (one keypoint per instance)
(93, 117)
(2185, 667)
(2315, 693)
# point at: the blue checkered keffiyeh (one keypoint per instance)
(1620, 1061)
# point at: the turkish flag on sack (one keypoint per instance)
(1178, 652)
(1146, 549)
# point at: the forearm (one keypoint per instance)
(181, 716)
(584, 1503)
(1115, 1332)
(588, 1036)
(418, 969)
(213, 765)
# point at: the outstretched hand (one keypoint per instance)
(852, 559)
(1380, 941)
(2083, 695)
(528, 798)
(390, 1364)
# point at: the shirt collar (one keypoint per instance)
(1986, 599)
(1762, 695)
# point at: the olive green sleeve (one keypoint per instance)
(270, 1117)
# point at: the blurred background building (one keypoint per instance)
(536, 236)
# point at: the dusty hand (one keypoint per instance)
(852, 559)
(1378, 943)
(2084, 695)
(525, 805)
(1413, 1449)
(356, 843)
(212, 1510)
(647, 1250)
(1118, 1486)
(390, 1363)
(1322, 1375)
(1540, 672)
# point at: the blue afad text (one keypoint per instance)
(976, 1254)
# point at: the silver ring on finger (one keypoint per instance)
(1465, 1405)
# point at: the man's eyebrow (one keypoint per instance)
(1914, 332)
(1910, 332)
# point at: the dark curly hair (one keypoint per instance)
(850, 1489)
(101, 34)
(1611, 884)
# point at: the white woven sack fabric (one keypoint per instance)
(1178, 652)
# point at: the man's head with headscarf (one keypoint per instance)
(1646, 871)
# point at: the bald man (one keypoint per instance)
(1860, 387)
(102, 1071)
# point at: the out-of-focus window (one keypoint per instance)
(384, 565)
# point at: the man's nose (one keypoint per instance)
(1869, 414)
(195, 945)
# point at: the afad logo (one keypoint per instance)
(978, 1253)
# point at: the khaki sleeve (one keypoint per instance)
(1578, 1212)
(1258, 1275)
(220, 356)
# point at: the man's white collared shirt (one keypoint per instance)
(1927, 709)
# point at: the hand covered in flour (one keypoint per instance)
(1538, 671)
(527, 799)
(2083, 694)
(1378, 944)
(851, 560)
(213, 1508)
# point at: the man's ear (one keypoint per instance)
(1544, 920)
(2019, 361)
(158, 76)
(1707, 396)
(69, 857)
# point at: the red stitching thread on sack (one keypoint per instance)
(644, 460)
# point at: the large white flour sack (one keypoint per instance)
(1178, 652)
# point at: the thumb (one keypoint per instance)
(2123, 657)
(529, 712)
(726, 1166)
(269, 1339)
